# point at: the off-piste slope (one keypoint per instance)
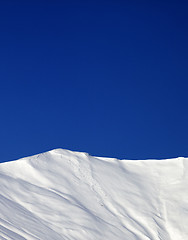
(70, 195)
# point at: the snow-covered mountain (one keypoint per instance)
(73, 196)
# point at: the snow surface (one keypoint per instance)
(70, 195)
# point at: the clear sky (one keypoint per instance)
(106, 77)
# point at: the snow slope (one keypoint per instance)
(70, 195)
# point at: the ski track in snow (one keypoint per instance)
(70, 195)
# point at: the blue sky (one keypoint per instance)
(105, 77)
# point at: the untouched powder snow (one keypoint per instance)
(64, 195)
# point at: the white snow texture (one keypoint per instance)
(65, 195)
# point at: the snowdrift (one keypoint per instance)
(73, 196)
